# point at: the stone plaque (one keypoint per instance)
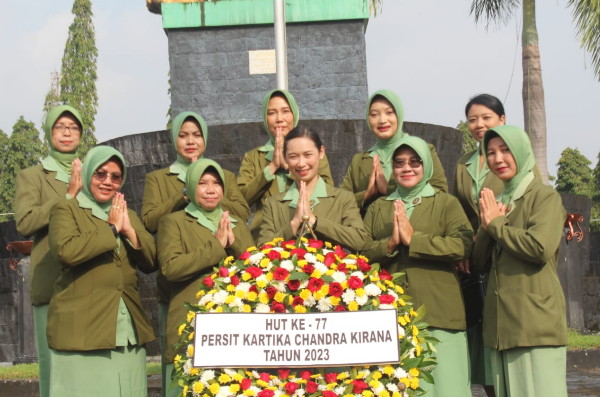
(262, 62)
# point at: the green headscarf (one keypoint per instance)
(385, 147)
(95, 158)
(207, 218)
(412, 196)
(519, 145)
(281, 176)
(181, 165)
(57, 161)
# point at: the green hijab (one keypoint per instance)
(413, 196)
(93, 160)
(57, 161)
(207, 218)
(385, 147)
(519, 145)
(181, 165)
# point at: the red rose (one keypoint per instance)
(291, 387)
(245, 383)
(315, 284)
(311, 387)
(339, 251)
(273, 255)
(245, 255)
(266, 393)
(280, 274)
(308, 269)
(266, 246)
(342, 268)
(328, 393)
(331, 377)
(253, 288)
(330, 259)
(385, 275)
(339, 308)
(223, 272)
(318, 244)
(288, 244)
(235, 280)
(254, 271)
(265, 377)
(293, 285)
(298, 301)
(283, 373)
(277, 307)
(271, 291)
(298, 252)
(305, 374)
(363, 265)
(336, 289)
(355, 282)
(208, 281)
(359, 386)
(386, 299)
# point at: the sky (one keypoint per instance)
(430, 52)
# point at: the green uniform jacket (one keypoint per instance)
(37, 192)
(187, 252)
(94, 278)
(524, 305)
(255, 187)
(442, 236)
(359, 171)
(463, 187)
(339, 220)
(163, 194)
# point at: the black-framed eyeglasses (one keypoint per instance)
(413, 162)
(114, 178)
(63, 128)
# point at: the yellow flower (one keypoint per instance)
(177, 358)
(262, 383)
(253, 248)
(185, 390)
(190, 350)
(261, 283)
(240, 294)
(311, 249)
(318, 295)
(406, 381)
(248, 392)
(285, 254)
(246, 276)
(263, 297)
(415, 331)
(376, 375)
(305, 294)
(300, 309)
(360, 375)
(197, 387)
(276, 240)
(190, 316)
(401, 302)
(399, 289)
(200, 294)
(234, 388)
(302, 263)
(214, 388)
(209, 304)
(228, 260)
(328, 244)
(413, 313)
(396, 394)
(344, 284)
(414, 383)
(230, 288)
(269, 276)
(224, 378)
(219, 309)
(375, 302)
(374, 384)
(194, 371)
(418, 350)
(320, 257)
(335, 300)
(324, 289)
(367, 393)
(353, 306)
(238, 377)
(413, 372)
(382, 287)
(388, 370)
(316, 274)
(229, 299)
(246, 309)
(180, 329)
(384, 393)
(252, 296)
(360, 292)
(341, 375)
(407, 318)
(279, 296)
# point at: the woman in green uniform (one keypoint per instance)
(483, 111)
(39, 188)
(524, 318)
(332, 213)
(192, 241)
(369, 175)
(422, 232)
(164, 194)
(97, 327)
(264, 170)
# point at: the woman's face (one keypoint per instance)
(480, 119)
(66, 134)
(106, 181)
(279, 116)
(190, 141)
(303, 156)
(500, 159)
(408, 168)
(209, 192)
(383, 119)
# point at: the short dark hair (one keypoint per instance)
(302, 131)
(487, 100)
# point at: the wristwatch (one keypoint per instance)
(114, 229)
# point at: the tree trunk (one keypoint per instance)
(534, 108)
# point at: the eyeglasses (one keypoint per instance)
(114, 178)
(63, 128)
(413, 162)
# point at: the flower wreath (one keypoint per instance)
(312, 276)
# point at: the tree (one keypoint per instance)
(78, 71)
(587, 18)
(469, 144)
(595, 216)
(23, 149)
(574, 173)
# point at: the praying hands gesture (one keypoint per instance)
(119, 217)
(302, 209)
(403, 231)
(489, 209)
(278, 160)
(224, 232)
(75, 183)
(377, 181)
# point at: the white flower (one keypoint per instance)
(372, 290)
(281, 286)
(324, 305)
(220, 297)
(348, 296)
(255, 374)
(310, 302)
(207, 375)
(386, 306)
(262, 308)
(340, 390)
(205, 299)
(310, 258)
(299, 392)
(262, 277)
(339, 277)
(256, 258)
(401, 331)
(237, 302)
(399, 373)
(224, 391)
(187, 366)
(392, 387)
(243, 287)
(287, 265)
(361, 300)
(229, 371)
(358, 274)
(321, 268)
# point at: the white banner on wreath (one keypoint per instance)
(256, 340)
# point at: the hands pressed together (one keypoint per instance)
(489, 208)
(119, 217)
(224, 232)
(302, 209)
(403, 231)
(75, 183)
(377, 181)
(278, 160)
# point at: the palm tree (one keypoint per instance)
(586, 14)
